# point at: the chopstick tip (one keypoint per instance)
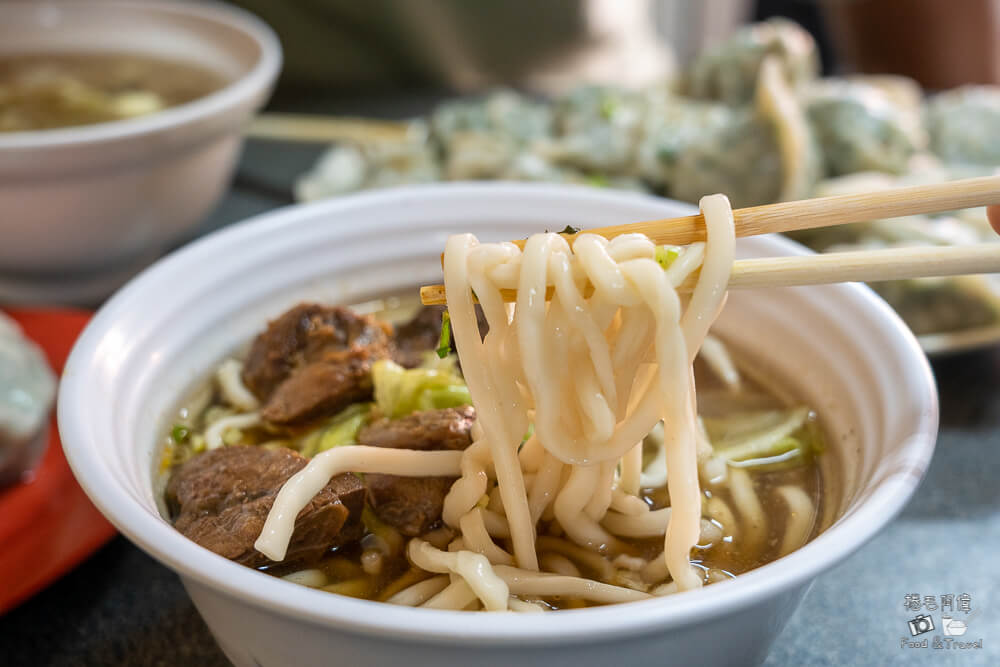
(432, 295)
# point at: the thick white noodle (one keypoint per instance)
(675, 410)
(310, 578)
(801, 517)
(625, 503)
(654, 523)
(473, 568)
(630, 563)
(306, 483)
(776, 101)
(555, 563)
(631, 470)
(578, 555)
(485, 386)
(711, 533)
(214, 433)
(654, 474)
(229, 377)
(540, 584)
(718, 510)
(420, 592)
(656, 571)
(478, 539)
(516, 604)
(496, 524)
(750, 508)
(710, 291)
(569, 508)
(531, 455)
(649, 524)
(716, 357)
(471, 486)
(457, 595)
(546, 485)
(603, 494)
(668, 588)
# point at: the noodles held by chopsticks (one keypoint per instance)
(592, 375)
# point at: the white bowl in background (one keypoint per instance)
(83, 208)
(839, 346)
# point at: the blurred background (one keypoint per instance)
(339, 45)
(661, 96)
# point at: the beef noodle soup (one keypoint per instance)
(362, 457)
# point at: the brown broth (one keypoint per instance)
(729, 556)
(44, 91)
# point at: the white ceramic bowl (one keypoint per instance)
(83, 208)
(841, 347)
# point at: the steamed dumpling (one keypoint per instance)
(759, 154)
(860, 127)
(672, 126)
(597, 130)
(964, 125)
(740, 158)
(728, 72)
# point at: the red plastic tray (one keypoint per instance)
(47, 524)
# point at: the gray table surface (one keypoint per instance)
(121, 607)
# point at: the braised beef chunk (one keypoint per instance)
(411, 504)
(221, 498)
(433, 429)
(414, 504)
(313, 361)
(323, 387)
(414, 338)
(422, 333)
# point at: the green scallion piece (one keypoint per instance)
(444, 341)
(666, 255)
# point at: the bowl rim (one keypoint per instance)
(260, 77)
(196, 564)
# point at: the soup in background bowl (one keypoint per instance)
(44, 91)
(837, 348)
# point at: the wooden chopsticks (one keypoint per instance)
(867, 266)
(306, 128)
(821, 212)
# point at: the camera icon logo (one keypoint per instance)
(920, 624)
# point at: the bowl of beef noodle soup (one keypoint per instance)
(612, 474)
